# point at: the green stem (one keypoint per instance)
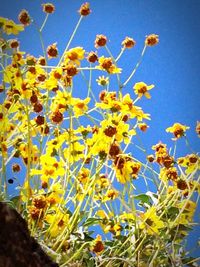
(120, 54)
(29, 154)
(44, 22)
(70, 40)
(136, 67)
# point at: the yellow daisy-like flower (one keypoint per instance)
(111, 194)
(187, 215)
(97, 245)
(74, 152)
(178, 130)
(51, 168)
(55, 194)
(190, 162)
(127, 217)
(10, 27)
(129, 108)
(80, 106)
(151, 222)
(102, 80)
(125, 169)
(75, 55)
(83, 176)
(142, 88)
(58, 221)
(106, 64)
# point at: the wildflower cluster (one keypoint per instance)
(72, 156)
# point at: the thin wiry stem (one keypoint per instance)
(70, 40)
(136, 67)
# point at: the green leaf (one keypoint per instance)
(172, 212)
(143, 198)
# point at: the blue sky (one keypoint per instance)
(173, 65)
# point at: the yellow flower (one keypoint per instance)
(150, 221)
(127, 217)
(106, 64)
(10, 27)
(126, 168)
(13, 76)
(191, 162)
(187, 215)
(51, 168)
(24, 150)
(107, 223)
(49, 83)
(55, 144)
(102, 183)
(56, 192)
(35, 72)
(142, 88)
(83, 175)
(98, 145)
(74, 152)
(133, 111)
(58, 221)
(114, 126)
(102, 80)
(110, 195)
(109, 101)
(167, 174)
(75, 55)
(97, 245)
(102, 214)
(80, 106)
(198, 128)
(178, 130)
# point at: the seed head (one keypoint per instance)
(52, 50)
(100, 40)
(128, 42)
(48, 8)
(151, 40)
(85, 9)
(24, 17)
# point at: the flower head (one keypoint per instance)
(14, 43)
(151, 40)
(10, 27)
(97, 245)
(75, 55)
(142, 88)
(151, 222)
(48, 8)
(178, 130)
(100, 40)
(24, 17)
(92, 57)
(52, 50)
(106, 64)
(85, 9)
(80, 106)
(102, 80)
(128, 42)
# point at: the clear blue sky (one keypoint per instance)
(173, 65)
